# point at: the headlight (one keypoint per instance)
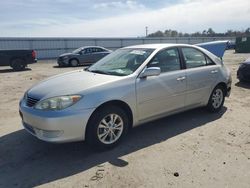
(65, 57)
(57, 103)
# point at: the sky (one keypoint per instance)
(119, 18)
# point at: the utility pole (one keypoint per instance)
(146, 30)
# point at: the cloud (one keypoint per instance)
(128, 5)
(188, 16)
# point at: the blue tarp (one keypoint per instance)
(216, 47)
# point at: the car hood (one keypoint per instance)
(65, 54)
(74, 82)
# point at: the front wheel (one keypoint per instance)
(107, 127)
(73, 63)
(216, 99)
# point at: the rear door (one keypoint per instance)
(98, 53)
(201, 73)
(164, 93)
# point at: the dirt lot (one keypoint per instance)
(191, 149)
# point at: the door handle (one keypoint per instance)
(181, 78)
(214, 71)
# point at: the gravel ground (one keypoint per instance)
(191, 149)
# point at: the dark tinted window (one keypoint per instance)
(167, 60)
(99, 50)
(88, 50)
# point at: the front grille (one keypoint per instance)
(30, 102)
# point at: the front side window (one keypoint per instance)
(88, 50)
(195, 58)
(121, 62)
(167, 60)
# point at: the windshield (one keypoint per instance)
(77, 50)
(121, 62)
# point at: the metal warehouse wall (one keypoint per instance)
(52, 47)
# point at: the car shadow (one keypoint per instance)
(61, 67)
(12, 70)
(27, 162)
(245, 85)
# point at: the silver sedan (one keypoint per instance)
(129, 87)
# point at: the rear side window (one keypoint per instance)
(99, 50)
(167, 60)
(193, 58)
(209, 61)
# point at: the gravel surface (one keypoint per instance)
(191, 149)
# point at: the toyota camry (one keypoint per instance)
(127, 88)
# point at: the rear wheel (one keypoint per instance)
(107, 127)
(73, 63)
(216, 99)
(17, 64)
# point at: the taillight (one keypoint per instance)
(33, 54)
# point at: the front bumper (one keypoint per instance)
(55, 126)
(63, 62)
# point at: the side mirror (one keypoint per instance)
(151, 71)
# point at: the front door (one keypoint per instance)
(157, 95)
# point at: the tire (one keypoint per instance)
(103, 132)
(74, 63)
(18, 64)
(216, 99)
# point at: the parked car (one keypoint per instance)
(243, 73)
(231, 45)
(81, 56)
(129, 87)
(17, 59)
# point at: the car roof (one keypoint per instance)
(84, 47)
(159, 46)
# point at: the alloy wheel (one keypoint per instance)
(217, 98)
(110, 129)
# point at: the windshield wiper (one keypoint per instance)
(97, 71)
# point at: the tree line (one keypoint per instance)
(205, 33)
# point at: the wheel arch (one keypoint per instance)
(123, 105)
(17, 57)
(224, 86)
(74, 58)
